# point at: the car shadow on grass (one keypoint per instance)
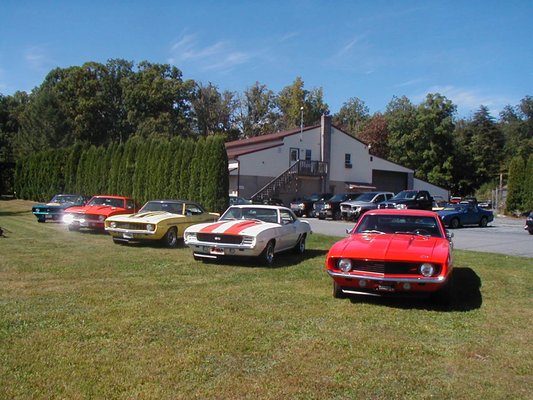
(466, 296)
(281, 260)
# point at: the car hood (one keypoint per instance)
(52, 205)
(237, 227)
(399, 247)
(446, 213)
(149, 217)
(96, 210)
(359, 203)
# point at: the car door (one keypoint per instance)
(288, 233)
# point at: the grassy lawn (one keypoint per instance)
(81, 317)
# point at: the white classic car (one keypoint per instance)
(249, 230)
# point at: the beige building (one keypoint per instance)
(320, 158)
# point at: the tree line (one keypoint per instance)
(109, 104)
(142, 169)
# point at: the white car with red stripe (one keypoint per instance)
(249, 230)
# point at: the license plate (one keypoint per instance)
(216, 251)
(385, 288)
(127, 235)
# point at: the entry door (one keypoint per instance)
(294, 155)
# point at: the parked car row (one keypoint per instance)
(244, 230)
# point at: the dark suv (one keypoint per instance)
(305, 206)
(332, 207)
(419, 199)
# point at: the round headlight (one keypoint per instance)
(37, 210)
(150, 227)
(427, 269)
(345, 264)
(101, 218)
(113, 224)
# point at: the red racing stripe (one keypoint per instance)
(212, 227)
(237, 228)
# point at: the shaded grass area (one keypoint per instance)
(81, 317)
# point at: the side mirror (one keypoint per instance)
(449, 235)
(348, 230)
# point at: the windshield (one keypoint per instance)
(262, 214)
(339, 197)
(61, 199)
(451, 207)
(399, 224)
(366, 197)
(106, 201)
(170, 207)
(405, 195)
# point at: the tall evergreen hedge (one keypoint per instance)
(143, 169)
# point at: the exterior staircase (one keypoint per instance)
(299, 168)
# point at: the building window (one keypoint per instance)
(308, 155)
(347, 160)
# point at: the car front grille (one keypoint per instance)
(218, 238)
(386, 205)
(130, 226)
(386, 267)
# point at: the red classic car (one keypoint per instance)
(393, 252)
(95, 212)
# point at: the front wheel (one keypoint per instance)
(300, 246)
(530, 231)
(336, 215)
(267, 256)
(483, 222)
(454, 223)
(337, 291)
(171, 238)
(41, 220)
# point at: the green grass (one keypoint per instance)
(81, 317)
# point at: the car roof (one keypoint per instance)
(112, 196)
(420, 213)
(265, 206)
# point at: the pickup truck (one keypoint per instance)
(418, 199)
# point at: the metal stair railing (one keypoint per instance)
(301, 167)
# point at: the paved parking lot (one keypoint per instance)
(504, 235)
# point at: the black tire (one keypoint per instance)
(530, 231)
(73, 227)
(171, 238)
(321, 217)
(454, 223)
(337, 291)
(483, 222)
(267, 256)
(300, 246)
(336, 215)
(117, 241)
(41, 220)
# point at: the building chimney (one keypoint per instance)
(325, 147)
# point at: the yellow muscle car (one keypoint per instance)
(158, 220)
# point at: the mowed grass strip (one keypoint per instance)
(81, 317)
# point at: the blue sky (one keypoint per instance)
(473, 52)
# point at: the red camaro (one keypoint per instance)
(95, 212)
(393, 252)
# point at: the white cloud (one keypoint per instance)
(217, 56)
(468, 101)
(36, 57)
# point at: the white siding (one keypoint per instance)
(342, 144)
(272, 162)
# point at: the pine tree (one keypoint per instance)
(515, 185)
